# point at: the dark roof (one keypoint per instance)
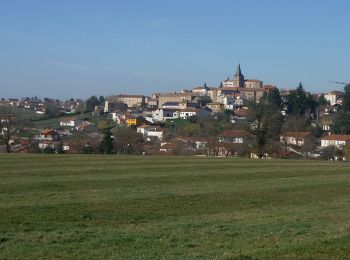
(170, 103)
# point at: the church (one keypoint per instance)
(248, 89)
(239, 81)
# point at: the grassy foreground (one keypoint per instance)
(100, 207)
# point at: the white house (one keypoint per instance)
(188, 112)
(143, 129)
(228, 101)
(45, 144)
(47, 135)
(85, 126)
(295, 138)
(70, 121)
(160, 115)
(335, 140)
(147, 131)
(171, 105)
(156, 131)
(333, 97)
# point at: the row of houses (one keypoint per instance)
(40, 105)
(240, 143)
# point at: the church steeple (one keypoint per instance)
(238, 71)
(238, 77)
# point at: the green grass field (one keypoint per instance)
(102, 207)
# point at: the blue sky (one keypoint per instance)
(79, 48)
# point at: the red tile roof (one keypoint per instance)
(337, 137)
(47, 131)
(296, 134)
(144, 126)
(189, 109)
(234, 133)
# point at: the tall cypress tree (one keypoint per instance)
(106, 145)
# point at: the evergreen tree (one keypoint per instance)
(346, 98)
(101, 100)
(60, 149)
(301, 103)
(341, 123)
(297, 101)
(273, 98)
(91, 103)
(265, 121)
(106, 145)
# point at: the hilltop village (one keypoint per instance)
(240, 117)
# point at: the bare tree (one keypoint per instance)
(7, 126)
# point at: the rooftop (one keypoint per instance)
(296, 134)
(337, 137)
(234, 133)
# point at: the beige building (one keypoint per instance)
(334, 97)
(173, 97)
(201, 90)
(253, 83)
(129, 100)
(216, 106)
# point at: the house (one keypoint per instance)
(45, 144)
(291, 155)
(63, 132)
(48, 135)
(199, 101)
(155, 131)
(216, 106)
(296, 138)
(152, 103)
(199, 143)
(143, 129)
(233, 142)
(151, 131)
(188, 112)
(86, 127)
(233, 136)
(229, 101)
(335, 140)
(200, 90)
(171, 105)
(74, 146)
(98, 111)
(167, 147)
(240, 114)
(334, 97)
(70, 121)
(134, 120)
(13, 102)
(204, 112)
(326, 110)
(161, 115)
(326, 122)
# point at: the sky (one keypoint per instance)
(79, 48)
